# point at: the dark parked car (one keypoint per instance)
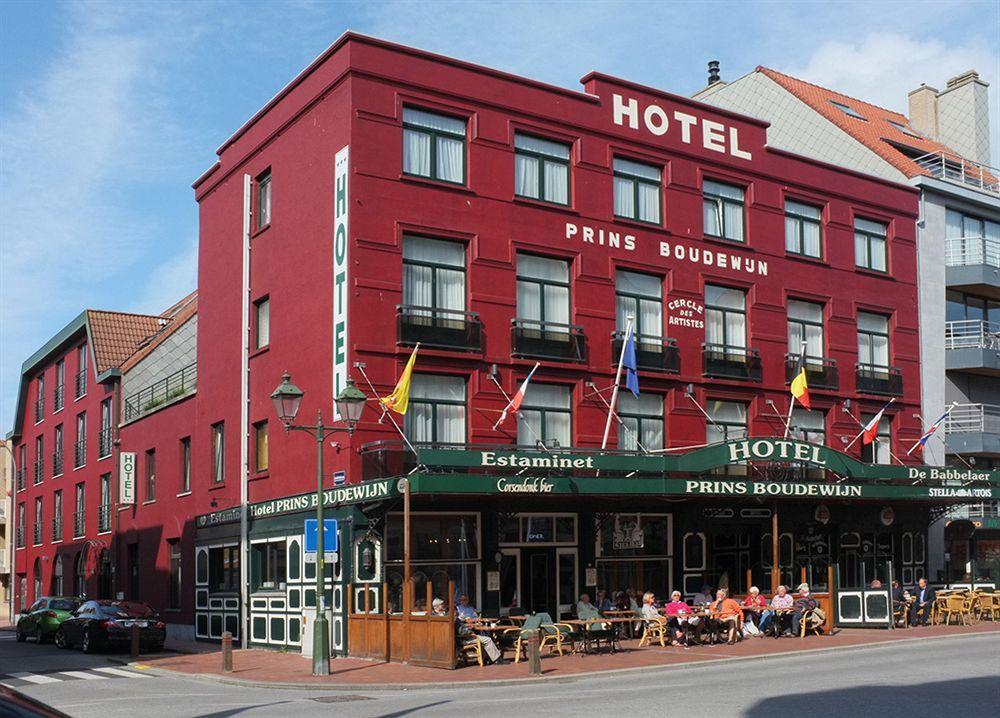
(108, 624)
(44, 616)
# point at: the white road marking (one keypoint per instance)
(120, 672)
(83, 675)
(33, 677)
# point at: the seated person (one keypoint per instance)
(584, 606)
(728, 614)
(679, 617)
(464, 609)
(920, 609)
(875, 584)
(779, 616)
(703, 597)
(755, 605)
(630, 596)
(438, 608)
(802, 605)
(648, 609)
(603, 602)
(465, 634)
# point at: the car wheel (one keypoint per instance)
(86, 643)
(61, 641)
(39, 635)
(20, 634)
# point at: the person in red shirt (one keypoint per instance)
(727, 614)
(754, 604)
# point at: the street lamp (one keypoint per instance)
(350, 403)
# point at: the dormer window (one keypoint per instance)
(849, 111)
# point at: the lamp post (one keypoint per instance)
(350, 402)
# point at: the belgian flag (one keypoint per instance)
(800, 386)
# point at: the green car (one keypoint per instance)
(43, 617)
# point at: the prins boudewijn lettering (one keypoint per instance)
(713, 136)
(756, 488)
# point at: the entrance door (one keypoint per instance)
(510, 579)
(567, 582)
(538, 580)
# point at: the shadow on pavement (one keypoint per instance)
(968, 696)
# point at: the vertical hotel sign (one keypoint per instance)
(341, 164)
(126, 478)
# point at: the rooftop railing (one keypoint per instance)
(972, 334)
(972, 251)
(977, 510)
(951, 167)
(973, 418)
(180, 383)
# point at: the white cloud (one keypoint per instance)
(170, 281)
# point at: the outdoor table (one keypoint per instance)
(585, 624)
(701, 615)
(779, 613)
(493, 630)
(625, 613)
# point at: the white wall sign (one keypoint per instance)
(341, 165)
(126, 478)
(686, 313)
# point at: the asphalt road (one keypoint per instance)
(952, 676)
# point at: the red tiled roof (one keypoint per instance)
(876, 133)
(117, 335)
(178, 316)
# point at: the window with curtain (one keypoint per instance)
(541, 169)
(57, 453)
(185, 486)
(723, 210)
(641, 297)
(433, 275)
(546, 416)
(218, 452)
(637, 190)
(264, 199)
(728, 421)
(58, 396)
(151, 475)
(39, 522)
(870, 245)
(877, 452)
(40, 458)
(805, 322)
(81, 376)
(726, 318)
(260, 438)
(436, 414)
(57, 516)
(433, 146)
(873, 341)
(642, 421)
(808, 425)
(262, 322)
(803, 233)
(543, 291)
(104, 513)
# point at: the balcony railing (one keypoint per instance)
(973, 418)
(57, 529)
(57, 463)
(179, 384)
(81, 383)
(439, 328)
(977, 510)
(972, 251)
(80, 453)
(652, 353)
(874, 379)
(39, 471)
(727, 362)
(39, 409)
(79, 524)
(103, 518)
(951, 167)
(37, 534)
(821, 373)
(972, 334)
(57, 397)
(104, 442)
(20, 476)
(548, 340)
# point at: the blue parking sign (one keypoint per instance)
(329, 536)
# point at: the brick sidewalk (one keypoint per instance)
(264, 666)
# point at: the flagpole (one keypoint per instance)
(943, 417)
(618, 377)
(518, 417)
(855, 439)
(618, 419)
(791, 404)
(385, 412)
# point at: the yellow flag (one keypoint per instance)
(399, 399)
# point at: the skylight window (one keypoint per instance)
(904, 129)
(848, 111)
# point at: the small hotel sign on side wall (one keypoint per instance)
(126, 478)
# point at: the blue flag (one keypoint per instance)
(628, 361)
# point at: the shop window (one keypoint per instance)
(638, 191)
(201, 567)
(641, 425)
(870, 245)
(694, 551)
(434, 537)
(541, 169)
(433, 146)
(224, 569)
(436, 413)
(803, 229)
(723, 210)
(268, 563)
(636, 535)
(546, 417)
(639, 296)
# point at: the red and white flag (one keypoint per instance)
(515, 401)
(870, 432)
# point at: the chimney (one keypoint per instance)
(924, 111)
(713, 72)
(964, 117)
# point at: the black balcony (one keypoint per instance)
(821, 373)
(57, 529)
(651, 353)
(81, 383)
(57, 397)
(718, 360)
(39, 471)
(439, 328)
(79, 524)
(80, 453)
(39, 409)
(57, 463)
(548, 340)
(884, 380)
(104, 442)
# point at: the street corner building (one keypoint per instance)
(519, 239)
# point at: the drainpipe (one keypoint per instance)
(245, 415)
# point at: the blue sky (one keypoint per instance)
(109, 111)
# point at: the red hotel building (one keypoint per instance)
(388, 196)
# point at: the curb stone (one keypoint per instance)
(570, 678)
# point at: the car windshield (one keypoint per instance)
(63, 604)
(128, 610)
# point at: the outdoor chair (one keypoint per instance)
(596, 632)
(901, 614)
(655, 629)
(955, 605)
(812, 621)
(989, 606)
(550, 635)
(471, 650)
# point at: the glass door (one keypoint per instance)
(567, 582)
(538, 592)
(510, 579)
